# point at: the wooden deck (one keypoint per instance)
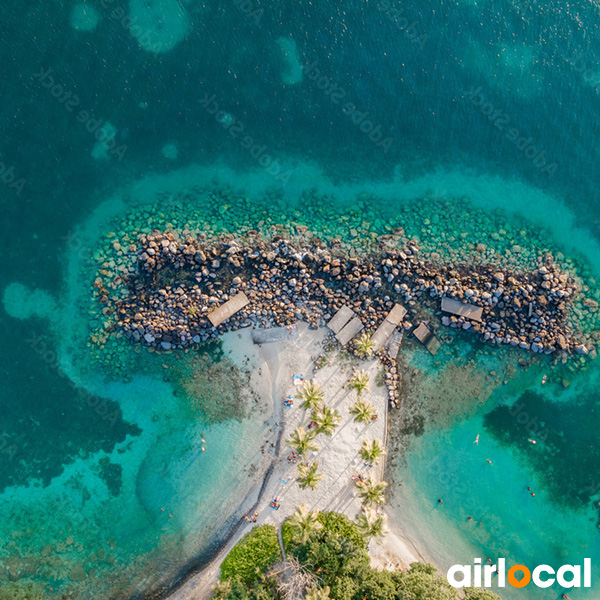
(427, 338)
(394, 344)
(462, 309)
(349, 331)
(387, 327)
(228, 309)
(340, 319)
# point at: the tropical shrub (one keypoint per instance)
(252, 555)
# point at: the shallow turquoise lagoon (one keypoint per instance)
(82, 496)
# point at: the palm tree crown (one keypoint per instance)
(364, 345)
(373, 452)
(363, 411)
(304, 522)
(371, 492)
(312, 395)
(327, 420)
(371, 523)
(303, 441)
(359, 381)
(308, 476)
(318, 594)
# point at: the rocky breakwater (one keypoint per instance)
(178, 280)
(528, 310)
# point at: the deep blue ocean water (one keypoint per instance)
(492, 88)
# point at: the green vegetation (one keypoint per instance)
(312, 396)
(302, 441)
(363, 411)
(327, 420)
(308, 476)
(372, 453)
(328, 559)
(255, 552)
(359, 382)
(364, 346)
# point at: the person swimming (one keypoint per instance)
(476, 440)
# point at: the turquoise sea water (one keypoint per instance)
(478, 99)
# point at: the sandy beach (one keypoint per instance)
(337, 457)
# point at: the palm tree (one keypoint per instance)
(372, 453)
(363, 411)
(318, 594)
(371, 492)
(304, 522)
(303, 441)
(327, 420)
(308, 476)
(371, 523)
(364, 345)
(359, 382)
(312, 395)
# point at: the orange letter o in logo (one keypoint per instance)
(514, 581)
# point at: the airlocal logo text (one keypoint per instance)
(519, 576)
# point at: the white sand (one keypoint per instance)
(337, 458)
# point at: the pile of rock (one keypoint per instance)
(177, 283)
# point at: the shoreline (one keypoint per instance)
(339, 496)
(197, 582)
(264, 483)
